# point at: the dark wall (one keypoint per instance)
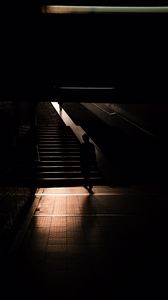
(123, 50)
(16, 125)
(152, 117)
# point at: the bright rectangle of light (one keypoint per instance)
(69, 9)
(85, 88)
(83, 194)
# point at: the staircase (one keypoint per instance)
(59, 151)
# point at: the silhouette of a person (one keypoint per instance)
(87, 161)
(60, 102)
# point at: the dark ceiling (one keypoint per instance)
(41, 53)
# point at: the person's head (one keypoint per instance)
(85, 138)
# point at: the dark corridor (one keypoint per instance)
(109, 71)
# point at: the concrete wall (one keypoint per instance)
(150, 117)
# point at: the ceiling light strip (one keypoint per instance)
(85, 88)
(69, 9)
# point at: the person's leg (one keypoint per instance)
(88, 181)
(90, 186)
(85, 174)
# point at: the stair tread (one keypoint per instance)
(68, 178)
(58, 166)
(57, 161)
(51, 156)
(59, 172)
(62, 152)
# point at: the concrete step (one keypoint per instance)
(51, 181)
(59, 162)
(52, 123)
(57, 143)
(58, 138)
(50, 132)
(60, 148)
(42, 124)
(59, 151)
(73, 181)
(58, 167)
(63, 174)
(60, 134)
(59, 157)
(55, 133)
(62, 153)
(53, 129)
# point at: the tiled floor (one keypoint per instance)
(80, 246)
